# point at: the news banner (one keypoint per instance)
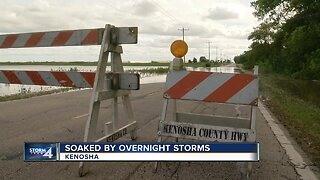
(138, 151)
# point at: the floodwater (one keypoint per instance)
(65, 68)
(10, 89)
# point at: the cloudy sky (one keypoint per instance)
(225, 23)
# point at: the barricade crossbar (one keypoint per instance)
(48, 78)
(212, 87)
(81, 37)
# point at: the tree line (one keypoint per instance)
(205, 60)
(287, 40)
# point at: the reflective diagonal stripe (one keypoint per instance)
(62, 78)
(48, 78)
(52, 38)
(13, 79)
(9, 41)
(62, 38)
(92, 38)
(209, 85)
(246, 95)
(21, 40)
(89, 77)
(230, 88)
(36, 78)
(186, 84)
(2, 38)
(3, 78)
(174, 77)
(77, 79)
(47, 39)
(77, 37)
(212, 87)
(34, 39)
(23, 77)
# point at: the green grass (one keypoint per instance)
(202, 64)
(29, 95)
(300, 117)
(146, 64)
(158, 70)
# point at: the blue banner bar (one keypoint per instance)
(141, 151)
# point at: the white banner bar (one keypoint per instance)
(159, 156)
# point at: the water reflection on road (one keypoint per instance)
(10, 89)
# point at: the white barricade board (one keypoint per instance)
(206, 132)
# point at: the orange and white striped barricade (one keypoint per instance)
(105, 86)
(48, 78)
(210, 87)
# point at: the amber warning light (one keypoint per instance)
(179, 48)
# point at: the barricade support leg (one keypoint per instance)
(104, 90)
(162, 118)
(98, 86)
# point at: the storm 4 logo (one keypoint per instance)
(40, 152)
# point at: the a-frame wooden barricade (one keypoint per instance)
(105, 86)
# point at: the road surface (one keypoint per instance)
(62, 117)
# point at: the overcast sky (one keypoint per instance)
(226, 23)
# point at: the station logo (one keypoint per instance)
(40, 151)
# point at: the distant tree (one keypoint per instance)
(189, 61)
(237, 59)
(202, 59)
(287, 39)
(194, 60)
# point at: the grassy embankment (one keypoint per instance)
(301, 117)
(33, 94)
